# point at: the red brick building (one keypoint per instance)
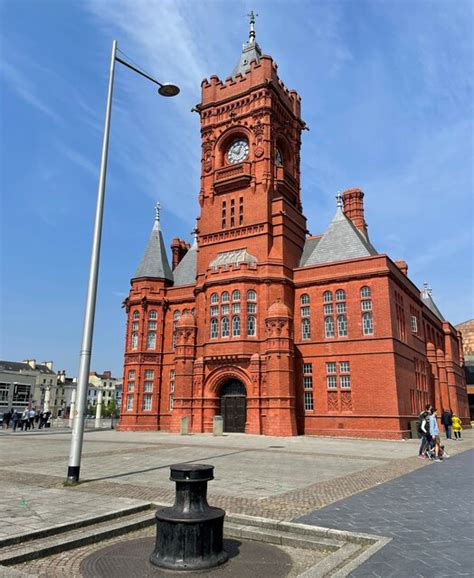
(279, 332)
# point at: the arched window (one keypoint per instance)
(151, 340)
(340, 295)
(251, 295)
(365, 292)
(236, 326)
(367, 324)
(327, 296)
(251, 326)
(225, 297)
(185, 311)
(304, 299)
(329, 327)
(134, 340)
(214, 328)
(305, 328)
(236, 295)
(342, 326)
(136, 315)
(225, 327)
(176, 314)
(152, 315)
(214, 298)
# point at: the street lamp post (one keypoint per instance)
(89, 314)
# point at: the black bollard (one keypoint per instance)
(189, 535)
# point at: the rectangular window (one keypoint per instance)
(414, 324)
(129, 402)
(241, 210)
(345, 367)
(131, 386)
(152, 325)
(308, 401)
(21, 393)
(331, 367)
(135, 326)
(328, 309)
(305, 311)
(147, 402)
(366, 305)
(331, 381)
(308, 381)
(214, 310)
(148, 386)
(149, 374)
(224, 214)
(131, 374)
(341, 307)
(235, 308)
(345, 381)
(307, 368)
(171, 397)
(224, 309)
(251, 308)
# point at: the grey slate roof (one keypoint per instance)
(155, 262)
(20, 366)
(185, 271)
(250, 51)
(341, 241)
(309, 246)
(428, 301)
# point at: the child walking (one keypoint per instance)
(457, 427)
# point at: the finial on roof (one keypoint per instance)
(252, 15)
(157, 212)
(339, 199)
(427, 291)
(194, 233)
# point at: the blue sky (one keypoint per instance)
(386, 88)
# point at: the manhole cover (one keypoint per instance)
(274, 447)
(129, 559)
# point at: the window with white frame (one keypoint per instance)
(214, 328)
(214, 298)
(331, 381)
(328, 309)
(149, 374)
(329, 326)
(414, 324)
(171, 396)
(225, 327)
(251, 326)
(344, 366)
(225, 297)
(236, 326)
(151, 325)
(134, 343)
(366, 305)
(341, 308)
(342, 326)
(236, 295)
(136, 315)
(152, 315)
(176, 318)
(305, 328)
(327, 296)
(129, 402)
(308, 401)
(251, 295)
(151, 340)
(135, 325)
(365, 292)
(367, 324)
(251, 308)
(235, 308)
(147, 402)
(304, 299)
(131, 374)
(345, 381)
(148, 386)
(308, 386)
(215, 310)
(331, 367)
(340, 295)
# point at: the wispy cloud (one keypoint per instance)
(25, 88)
(78, 158)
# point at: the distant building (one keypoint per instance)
(111, 388)
(467, 330)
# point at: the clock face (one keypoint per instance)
(278, 157)
(238, 151)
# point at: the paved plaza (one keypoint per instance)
(377, 487)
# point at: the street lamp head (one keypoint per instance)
(168, 89)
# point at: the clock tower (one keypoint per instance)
(251, 233)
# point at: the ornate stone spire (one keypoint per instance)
(250, 51)
(155, 263)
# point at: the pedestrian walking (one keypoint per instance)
(447, 421)
(434, 433)
(31, 418)
(25, 420)
(457, 427)
(15, 420)
(7, 416)
(424, 431)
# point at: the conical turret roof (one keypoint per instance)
(426, 297)
(250, 50)
(155, 263)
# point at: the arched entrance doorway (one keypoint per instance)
(234, 406)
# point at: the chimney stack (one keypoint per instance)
(353, 200)
(31, 363)
(179, 248)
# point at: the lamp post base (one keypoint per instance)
(72, 475)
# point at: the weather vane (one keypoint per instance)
(157, 212)
(252, 16)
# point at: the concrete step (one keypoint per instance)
(75, 536)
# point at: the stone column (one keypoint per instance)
(72, 408)
(98, 409)
(47, 398)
